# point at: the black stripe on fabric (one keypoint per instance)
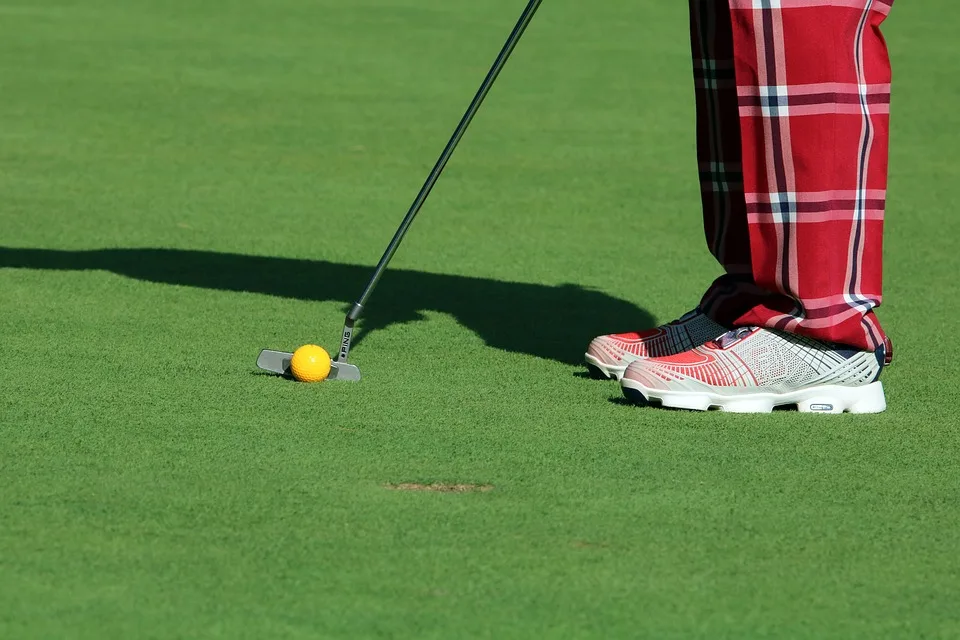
(780, 171)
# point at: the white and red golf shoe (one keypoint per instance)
(754, 370)
(610, 355)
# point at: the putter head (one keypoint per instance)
(278, 362)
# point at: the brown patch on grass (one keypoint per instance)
(440, 487)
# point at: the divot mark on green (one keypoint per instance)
(440, 487)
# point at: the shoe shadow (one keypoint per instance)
(552, 322)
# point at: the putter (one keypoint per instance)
(279, 361)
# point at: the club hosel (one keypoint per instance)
(344, 351)
(348, 325)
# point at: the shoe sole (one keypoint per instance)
(825, 399)
(602, 370)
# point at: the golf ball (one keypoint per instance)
(310, 363)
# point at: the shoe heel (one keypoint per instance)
(871, 400)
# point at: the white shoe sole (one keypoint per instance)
(824, 399)
(608, 371)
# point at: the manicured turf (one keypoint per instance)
(183, 183)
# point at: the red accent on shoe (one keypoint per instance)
(638, 336)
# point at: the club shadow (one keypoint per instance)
(552, 322)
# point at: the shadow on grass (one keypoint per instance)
(553, 322)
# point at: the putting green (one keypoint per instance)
(184, 183)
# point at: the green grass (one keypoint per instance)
(183, 183)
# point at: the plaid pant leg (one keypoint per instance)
(718, 136)
(813, 92)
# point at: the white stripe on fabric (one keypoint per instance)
(854, 296)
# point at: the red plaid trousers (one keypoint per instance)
(793, 107)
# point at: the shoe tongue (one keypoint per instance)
(732, 337)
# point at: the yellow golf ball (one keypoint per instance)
(310, 363)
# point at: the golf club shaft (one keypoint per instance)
(498, 65)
